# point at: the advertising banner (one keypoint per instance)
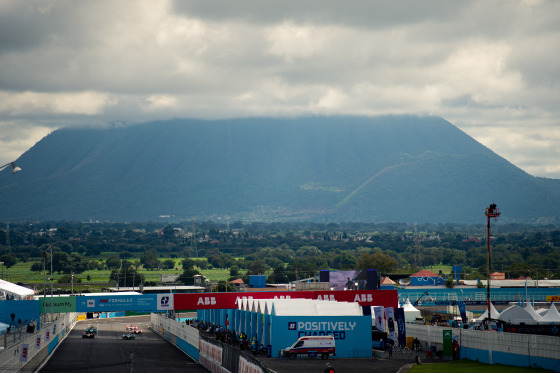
(38, 342)
(389, 315)
(447, 343)
(386, 298)
(165, 301)
(47, 335)
(351, 333)
(463, 312)
(399, 318)
(61, 304)
(229, 300)
(117, 303)
(379, 317)
(248, 367)
(24, 352)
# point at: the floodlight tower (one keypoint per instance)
(491, 212)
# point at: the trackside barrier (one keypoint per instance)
(32, 351)
(184, 336)
(524, 350)
(210, 353)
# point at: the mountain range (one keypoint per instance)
(316, 168)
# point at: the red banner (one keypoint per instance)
(229, 300)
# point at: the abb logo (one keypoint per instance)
(358, 298)
(103, 300)
(364, 297)
(206, 301)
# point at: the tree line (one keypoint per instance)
(283, 251)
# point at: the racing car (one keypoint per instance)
(128, 337)
(88, 335)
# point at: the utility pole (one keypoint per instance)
(52, 286)
(44, 289)
(491, 212)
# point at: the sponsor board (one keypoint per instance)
(230, 300)
(117, 303)
(165, 301)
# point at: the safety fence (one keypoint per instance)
(210, 353)
(524, 350)
(430, 295)
(30, 352)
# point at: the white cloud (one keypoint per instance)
(489, 67)
(86, 103)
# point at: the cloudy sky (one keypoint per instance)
(491, 68)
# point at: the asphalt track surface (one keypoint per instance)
(109, 353)
(400, 362)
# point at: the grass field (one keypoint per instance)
(468, 366)
(21, 273)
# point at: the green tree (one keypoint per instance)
(9, 260)
(37, 267)
(150, 260)
(187, 278)
(380, 261)
(257, 267)
(224, 286)
(344, 261)
(168, 264)
(113, 262)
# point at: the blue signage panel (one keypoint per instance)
(351, 333)
(116, 303)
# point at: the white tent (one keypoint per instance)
(541, 311)
(529, 308)
(493, 314)
(13, 291)
(410, 312)
(552, 316)
(516, 315)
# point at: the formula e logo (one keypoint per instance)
(292, 325)
(91, 303)
(165, 301)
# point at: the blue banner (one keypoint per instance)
(399, 318)
(116, 303)
(463, 311)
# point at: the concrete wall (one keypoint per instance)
(522, 350)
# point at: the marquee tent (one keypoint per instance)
(493, 314)
(410, 312)
(529, 308)
(516, 315)
(552, 316)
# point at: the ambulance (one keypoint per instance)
(312, 346)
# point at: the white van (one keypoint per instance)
(311, 345)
